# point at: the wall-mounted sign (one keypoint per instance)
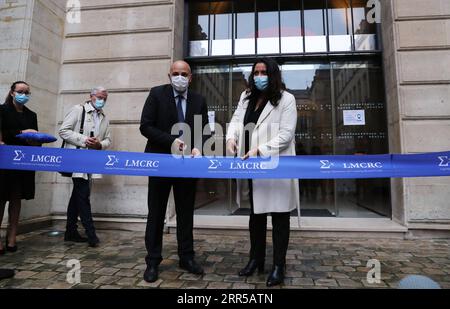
(354, 118)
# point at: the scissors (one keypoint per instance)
(182, 149)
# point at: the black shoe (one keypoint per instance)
(11, 249)
(75, 237)
(151, 273)
(251, 267)
(94, 242)
(2, 252)
(191, 266)
(6, 273)
(276, 277)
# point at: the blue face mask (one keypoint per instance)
(261, 82)
(21, 98)
(99, 104)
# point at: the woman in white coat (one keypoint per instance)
(264, 125)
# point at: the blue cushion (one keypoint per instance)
(38, 137)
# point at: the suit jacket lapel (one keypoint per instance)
(173, 113)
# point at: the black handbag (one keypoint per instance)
(65, 174)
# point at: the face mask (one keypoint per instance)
(99, 104)
(180, 83)
(261, 82)
(21, 99)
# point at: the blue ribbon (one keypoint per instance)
(164, 165)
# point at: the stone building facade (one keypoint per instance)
(127, 47)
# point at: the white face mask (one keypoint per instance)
(180, 83)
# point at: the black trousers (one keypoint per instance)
(258, 231)
(158, 195)
(80, 205)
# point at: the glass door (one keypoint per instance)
(213, 82)
(361, 129)
(311, 86)
(328, 95)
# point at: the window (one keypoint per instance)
(199, 29)
(364, 32)
(291, 27)
(315, 28)
(270, 27)
(339, 25)
(244, 25)
(221, 28)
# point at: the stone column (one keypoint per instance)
(416, 41)
(31, 34)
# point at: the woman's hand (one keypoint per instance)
(251, 153)
(28, 131)
(231, 147)
(93, 143)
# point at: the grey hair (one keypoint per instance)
(98, 89)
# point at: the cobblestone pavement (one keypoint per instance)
(41, 262)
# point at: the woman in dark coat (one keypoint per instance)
(15, 186)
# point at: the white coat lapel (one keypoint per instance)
(265, 113)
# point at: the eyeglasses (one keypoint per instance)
(101, 97)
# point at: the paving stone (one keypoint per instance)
(36, 284)
(155, 284)
(172, 284)
(190, 277)
(326, 282)
(233, 278)
(140, 267)
(169, 275)
(302, 281)
(311, 262)
(106, 280)
(349, 283)
(225, 271)
(215, 258)
(127, 273)
(110, 287)
(373, 285)
(60, 285)
(194, 284)
(243, 286)
(24, 274)
(213, 277)
(85, 286)
(127, 282)
(45, 275)
(107, 271)
(88, 263)
(432, 271)
(125, 265)
(219, 285)
(345, 269)
(89, 269)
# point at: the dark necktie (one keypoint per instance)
(180, 108)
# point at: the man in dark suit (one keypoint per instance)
(167, 108)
